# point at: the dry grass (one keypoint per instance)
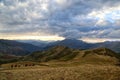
(83, 72)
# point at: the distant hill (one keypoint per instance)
(79, 44)
(61, 53)
(74, 43)
(16, 48)
(39, 43)
(113, 45)
(71, 43)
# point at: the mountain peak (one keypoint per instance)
(72, 40)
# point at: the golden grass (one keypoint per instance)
(83, 72)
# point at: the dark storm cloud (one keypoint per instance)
(66, 18)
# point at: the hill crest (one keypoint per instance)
(62, 53)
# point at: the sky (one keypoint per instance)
(88, 20)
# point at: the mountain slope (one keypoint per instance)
(78, 44)
(98, 56)
(39, 43)
(55, 53)
(7, 58)
(61, 53)
(72, 43)
(16, 48)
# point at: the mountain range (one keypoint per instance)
(71, 50)
(78, 44)
(25, 47)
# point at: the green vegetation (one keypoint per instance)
(5, 58)
(69, 55)
(57, 53)
(2, 61)
(65, 54)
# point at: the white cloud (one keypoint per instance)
(65, 18)
(106, 15)
(96, 40)
(114, 33)
(28, 37)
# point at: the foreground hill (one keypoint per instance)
(61, 53)
(98, 56)
(55, 53)
(16, 48)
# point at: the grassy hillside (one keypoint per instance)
(61, 53)
(97, 56)
(83, 72)
(6, 58)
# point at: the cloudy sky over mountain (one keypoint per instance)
(59, 19)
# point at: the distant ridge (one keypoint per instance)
(16, 48)
(23, 48)
(79, 44)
